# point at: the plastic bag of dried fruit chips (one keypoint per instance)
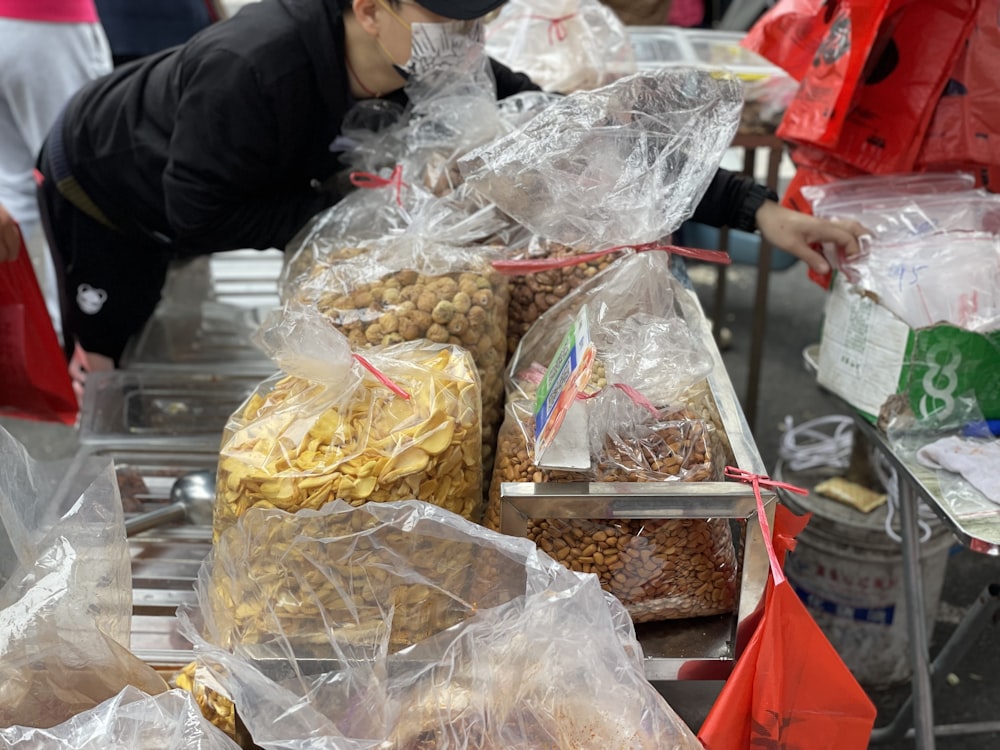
(401, 422)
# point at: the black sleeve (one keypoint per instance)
(218, 181)
(509, 82)
(732, 200)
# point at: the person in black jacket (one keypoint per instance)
(224, 143)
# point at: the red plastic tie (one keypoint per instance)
(370, 180)
(757, 481)
(712, 256)
(557, 31)
(380, 376)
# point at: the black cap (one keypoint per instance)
(461, 10)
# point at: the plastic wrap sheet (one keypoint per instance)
(531, 655)
(564, 45)
(881, 186)
(130, 720)
(326, 428)
(66, 596)
(624, 164)
(411, 288)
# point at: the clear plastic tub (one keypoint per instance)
(656, 46)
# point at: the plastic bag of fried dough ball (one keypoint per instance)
(564, 45)
(405, 289)
(506, 670)
(402, 422)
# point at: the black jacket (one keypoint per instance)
(215, 145)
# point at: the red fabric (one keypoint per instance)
(53, 11)
(790, 688)
(34, 381)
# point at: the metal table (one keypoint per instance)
(980, 533)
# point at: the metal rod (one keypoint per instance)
(983, 612)
(916, 621)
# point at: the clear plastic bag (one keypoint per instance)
(66, 597)
(625, 164)
(494, 629)
(642, 338)
(885, 186)
(413, 287)
(564, 45)
(402, 422)
(130, 720)
(895, 218)
(943, 277)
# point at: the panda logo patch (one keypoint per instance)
(89, 299)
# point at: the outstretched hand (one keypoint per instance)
(798, 233)
(10, 236)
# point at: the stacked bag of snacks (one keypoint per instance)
(649, 419)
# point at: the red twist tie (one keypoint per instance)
(757, 481)
(536, 265)
(637, 398)
(557, 31)
(370, 181)
(712, 256)
(380, 377)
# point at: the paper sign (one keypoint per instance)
(556, 402)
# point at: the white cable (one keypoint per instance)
(807, 447)
(886, 474)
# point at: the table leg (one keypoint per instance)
(923, 705)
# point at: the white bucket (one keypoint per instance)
(849, 574)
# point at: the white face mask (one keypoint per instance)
(440, 44)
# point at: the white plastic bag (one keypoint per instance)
(563, 45)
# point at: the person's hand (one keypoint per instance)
(83, 362)
(796, 233)
(10, 236)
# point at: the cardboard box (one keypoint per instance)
(868, 354)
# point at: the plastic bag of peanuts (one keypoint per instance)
(402, 422)
(407, 289)
(404, 627)
(641, 428)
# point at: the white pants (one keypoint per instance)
(41, 66)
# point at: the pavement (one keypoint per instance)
(972, 691)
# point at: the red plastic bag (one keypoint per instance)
(817, 113)
(790, 33)
(34, 381)
(789, 688)
(965, 128)
(892, 107)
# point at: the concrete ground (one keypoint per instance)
(972, 692)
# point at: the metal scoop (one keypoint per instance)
(192, 499)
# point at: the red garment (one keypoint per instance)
(53, 11)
